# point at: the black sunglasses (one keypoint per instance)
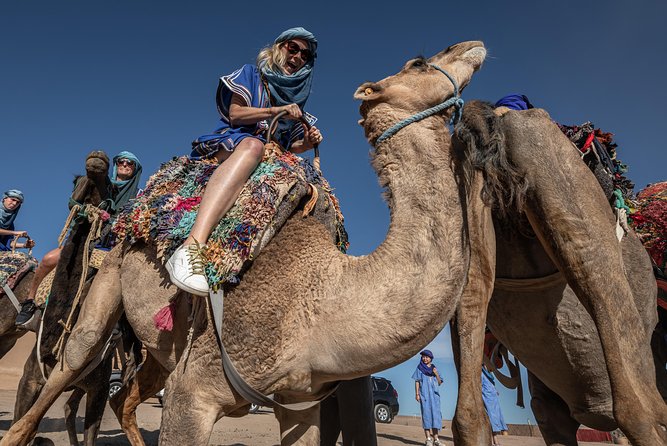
(125, 161)
(293, 49)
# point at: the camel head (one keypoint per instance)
(417, 87)
(94, 187)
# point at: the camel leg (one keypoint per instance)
(30, 385)
(99, 313)
(558, 428)
(7, 341)
(148, 380)
(97, 389)
(571, 217)
(468, 325)
(190, 411)
(71, 407)
(299, 428)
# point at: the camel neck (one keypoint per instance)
(403, 290)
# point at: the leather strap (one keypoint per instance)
(12, 297)
(240, 385)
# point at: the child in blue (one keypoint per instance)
(427, 379)
(247, 100)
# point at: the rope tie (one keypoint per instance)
(96, 218)
(72, 214)
(454, 101)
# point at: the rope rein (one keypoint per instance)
(454, 101)
(96, 218)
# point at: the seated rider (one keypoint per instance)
(125, 177)
(247, 100)
(11, 204)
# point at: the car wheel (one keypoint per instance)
(114, 387)
(254, 408)
(382, 413)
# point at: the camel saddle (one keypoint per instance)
(163, 214)
(13, 266)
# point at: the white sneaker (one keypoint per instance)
(436, 442)
(429, 442)
(186, 270)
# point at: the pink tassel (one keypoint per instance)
(164, 319)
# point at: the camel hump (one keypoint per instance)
(480, 143)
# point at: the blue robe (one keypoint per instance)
(492, 404)
(429, 396)
(247, 83)
(6, 240)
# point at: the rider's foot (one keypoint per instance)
(27, 313)
(186, 270)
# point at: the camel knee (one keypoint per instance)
(82, 345)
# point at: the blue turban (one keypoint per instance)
(295, 88)
(515, 102)
(127, 189)
(299, 33)
(7, 217)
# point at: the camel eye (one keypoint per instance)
(419, 64)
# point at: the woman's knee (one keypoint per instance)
(251, 147)
(51, 258)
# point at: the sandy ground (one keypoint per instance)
(260, 429)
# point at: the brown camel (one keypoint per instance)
(91, 189)
(574, 304)
(9, 334)
(297, 321)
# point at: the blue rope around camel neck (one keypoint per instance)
(455, 101)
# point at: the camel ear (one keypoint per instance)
(368, 91)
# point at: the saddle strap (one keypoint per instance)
(240, 385)
(12, 297)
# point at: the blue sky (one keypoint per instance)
(141, 76)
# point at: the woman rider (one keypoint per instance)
(125, 177)
(247, 100)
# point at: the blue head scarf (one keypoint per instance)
(127, 189)
(294, 88)
(515, 102)
(7, 217)
(426, 370)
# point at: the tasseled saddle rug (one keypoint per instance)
(649, 220)
(163, 214)
(13, 266)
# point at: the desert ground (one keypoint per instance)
(260, 429)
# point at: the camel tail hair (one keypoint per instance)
(480, 145)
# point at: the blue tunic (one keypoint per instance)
(6, 240)
(492, 404)
(247, 83)
(429, 396)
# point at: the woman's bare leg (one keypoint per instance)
(225, 186)
(47, 264)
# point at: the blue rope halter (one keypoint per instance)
(455, 101)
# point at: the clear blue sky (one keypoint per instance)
(141, 76)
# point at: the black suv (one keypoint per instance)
(385, 400)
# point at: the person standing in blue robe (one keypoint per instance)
(492, 405)
(427, 380)
(247, 100)
(11, 204)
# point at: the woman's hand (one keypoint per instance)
(30, 243)
(21, 233)
(310, 139)
(417, 398)
(293, 111)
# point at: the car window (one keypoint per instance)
(381, 385)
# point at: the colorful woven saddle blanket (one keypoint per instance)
(13, 266)
(649, 220)
(163, 214)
